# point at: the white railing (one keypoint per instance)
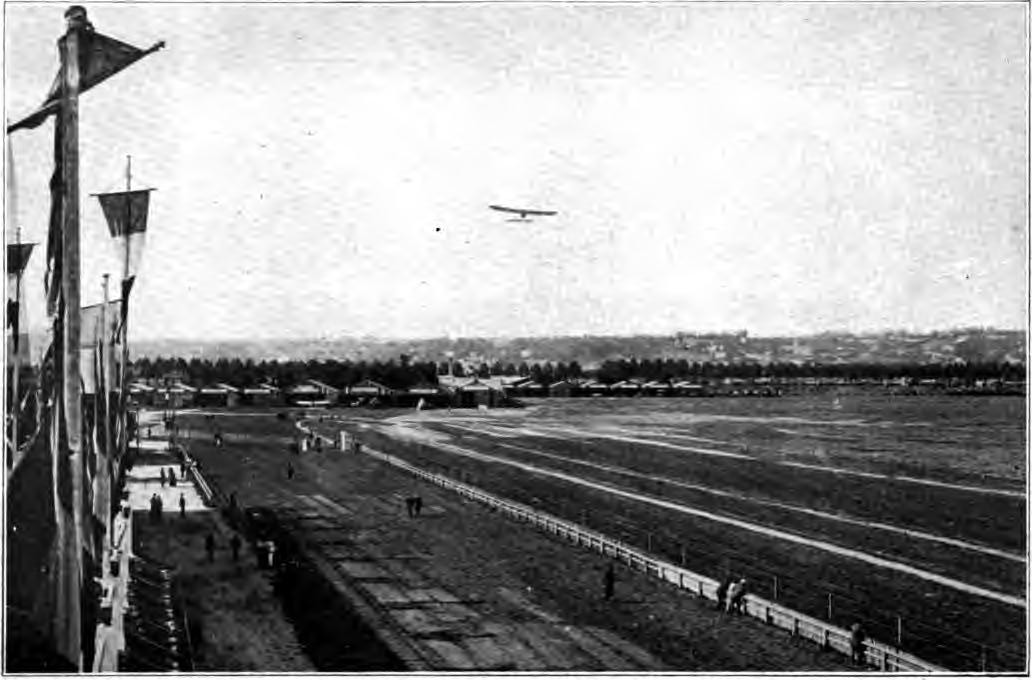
(880, 655)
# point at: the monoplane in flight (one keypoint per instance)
(523, 212)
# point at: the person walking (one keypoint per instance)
(722, 592)
(234, 545)
(171, 477)
(856, 644)
(609, 582)
(417, 505)
(182, 506)
(163, 478)
(159, 507)
(290, 470)
(209, 547)
(410, 503)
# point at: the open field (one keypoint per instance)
(908, 513)
(502, 571)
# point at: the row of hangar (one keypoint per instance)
(448, 392)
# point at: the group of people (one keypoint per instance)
(234, 546)
(414, 505)
(157, 507)
(171, 476)
(731, 595)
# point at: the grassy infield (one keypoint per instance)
(475, 553)
(939, 623)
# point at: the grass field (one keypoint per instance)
(481, 556)
(907, 512)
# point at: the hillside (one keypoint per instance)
(887, 347)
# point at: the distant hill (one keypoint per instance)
(590, 350)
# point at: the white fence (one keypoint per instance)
(882, 656)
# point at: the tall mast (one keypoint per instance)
(16, 359)
(71, 391)
(124, 359)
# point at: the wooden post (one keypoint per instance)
(899, 631)
(71, 389)
(829, 607)
(648, 542)
(684, 561)
(775, 588)
(985, 660)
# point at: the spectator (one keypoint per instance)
(163, 478)
(722, 592)
(736, 597)
(856, 644)
(182, 507)
(171, 477)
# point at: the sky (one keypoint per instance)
(325, 170)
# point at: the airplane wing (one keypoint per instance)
(522, 211)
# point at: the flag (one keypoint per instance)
(126, 215)
(17, 258)
(100, 57)
(97, 326)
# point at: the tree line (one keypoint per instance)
(403, 373)
(680, 369)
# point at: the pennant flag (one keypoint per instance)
(18, 255)
(126, 215)
(17, 258)
(98, 325)
(100, 57)
(52, 276)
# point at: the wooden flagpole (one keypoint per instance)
(71, 387)
(123, 401)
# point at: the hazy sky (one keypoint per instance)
(326, 170)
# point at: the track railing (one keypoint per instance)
(882, 656)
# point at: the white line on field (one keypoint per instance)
(585, 434)
(845, 519)
(741, 524)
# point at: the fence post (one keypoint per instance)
(648, 541)
(775, 588)
(985, 660)
(829, 607)
(683, 559)
(899, 631)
